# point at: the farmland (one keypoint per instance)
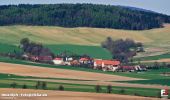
(81, 36)
(64, 95)
(83, 41)
(93, 51)
(86, 40)
(151, 74)
(70, 84)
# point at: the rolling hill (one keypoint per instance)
(156, 41)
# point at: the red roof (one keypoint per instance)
(58, 59)
(84, 59)
(107, 62)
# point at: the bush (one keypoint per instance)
(13, 85)
(136, 94)
(98, 88)
(38, 85)
(109, 89)
(24, 86)
(122, 91)
(61, 88)
(44, 85)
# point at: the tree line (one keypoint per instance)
(81, 15)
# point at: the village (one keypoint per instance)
(37, 53)
(86, 61)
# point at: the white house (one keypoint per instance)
(58, 61)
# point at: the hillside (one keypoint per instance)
(81, 15)
(156, 41)
(81, 36)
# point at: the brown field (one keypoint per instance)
(26, 70)
(63, 95)
(98, 78)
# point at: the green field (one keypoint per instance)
(157, 57)
(153, 81)
(93, 51)
(6, 81)
(154, 77)
(84, 40)
(6, 48)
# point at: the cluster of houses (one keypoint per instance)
(98, 64)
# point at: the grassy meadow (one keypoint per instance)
(85, 40)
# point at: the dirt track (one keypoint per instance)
(63, 95)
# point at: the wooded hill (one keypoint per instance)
(81, 15)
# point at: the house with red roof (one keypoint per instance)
(85, 60)
(58, 61)
(106, 65)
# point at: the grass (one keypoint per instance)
(93, 51)
(153, 81)
(152, 74)
(60, 35)
(82, 40)
(157, 57)
(6, 48)
(82, 88)
(158, 38)
(11, 76)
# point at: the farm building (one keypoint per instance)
(58, 61)
(45, 58)
(68, 60)
(132, 68)
(40, 58)
(106, 65)
(85, 60)
(140, 68)
(33, 58)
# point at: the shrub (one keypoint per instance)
(24, 86)
(13, 85)
(61, 88)
(109, 89)
(98, 88)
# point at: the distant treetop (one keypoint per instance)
(81, 15)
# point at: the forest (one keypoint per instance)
(81, 15)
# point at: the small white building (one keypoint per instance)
(58, 61)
